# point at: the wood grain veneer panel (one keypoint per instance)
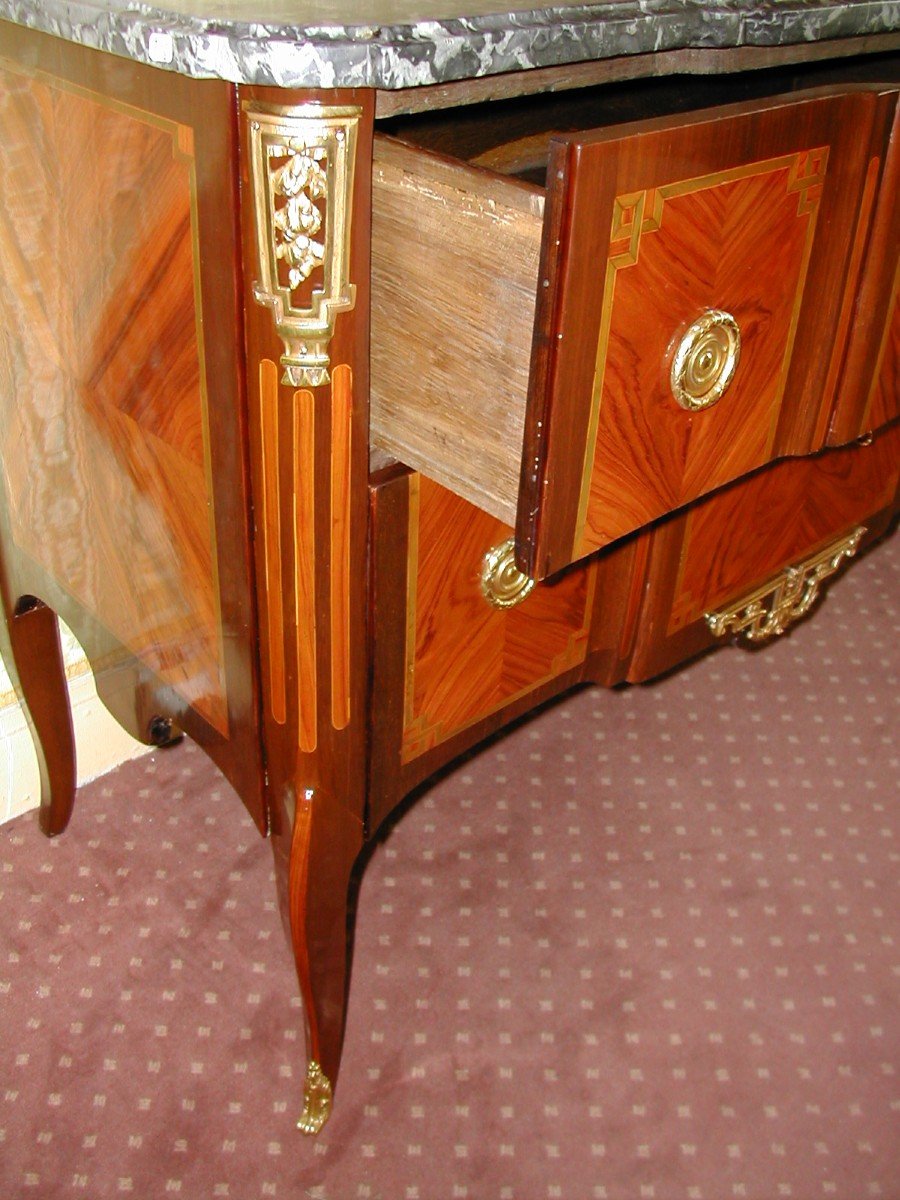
(454, 273)
(723, 547)
(744, 235)
(868, 393)
(848, 316)
(465, 658)
(749, 532)
(884, 396)
(616, 584)
(104, 416)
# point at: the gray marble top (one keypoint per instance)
(407, 43)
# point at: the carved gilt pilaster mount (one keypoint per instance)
(773, 608)
(301, 169)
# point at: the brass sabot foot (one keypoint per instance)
(316, 1100)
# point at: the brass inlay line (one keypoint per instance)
(271, 536)
(807, 176)
(185, 142)
(341, 447)
(636, 213)
(305, 567)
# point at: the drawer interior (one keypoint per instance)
(455, 253)
(492, 135)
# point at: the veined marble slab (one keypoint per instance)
(407, 43)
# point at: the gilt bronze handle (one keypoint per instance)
(705, 360)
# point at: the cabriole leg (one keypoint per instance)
(29, 640)
(314, 859)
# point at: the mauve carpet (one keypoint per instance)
(640, 948)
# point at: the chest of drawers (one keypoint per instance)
(618, 342)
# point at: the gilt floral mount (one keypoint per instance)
(301, 168)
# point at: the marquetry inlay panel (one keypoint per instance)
(738, 239)
(340, 579)
(103, 414)
(293, 565)
(465, 657)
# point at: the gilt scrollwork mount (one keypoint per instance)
(773, 608)
(302, 161)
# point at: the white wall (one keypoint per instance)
(101, 743)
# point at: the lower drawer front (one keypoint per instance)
(472, 646)
(462, 635)
(770, 541)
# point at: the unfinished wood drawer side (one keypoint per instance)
(455, 253)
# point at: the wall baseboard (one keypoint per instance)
(101, 744)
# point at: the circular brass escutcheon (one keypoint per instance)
(502, 583)
(705, 360)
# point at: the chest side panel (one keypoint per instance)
(103, 394)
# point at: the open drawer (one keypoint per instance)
(581, 359)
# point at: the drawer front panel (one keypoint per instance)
(465, 657)
(884, 398)
(868, 392)
(749, 213)
(723, 548)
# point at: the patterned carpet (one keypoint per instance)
(640, 948)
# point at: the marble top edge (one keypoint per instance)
(313, 43)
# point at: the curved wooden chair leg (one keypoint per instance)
(314, 861)
(29, 640)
